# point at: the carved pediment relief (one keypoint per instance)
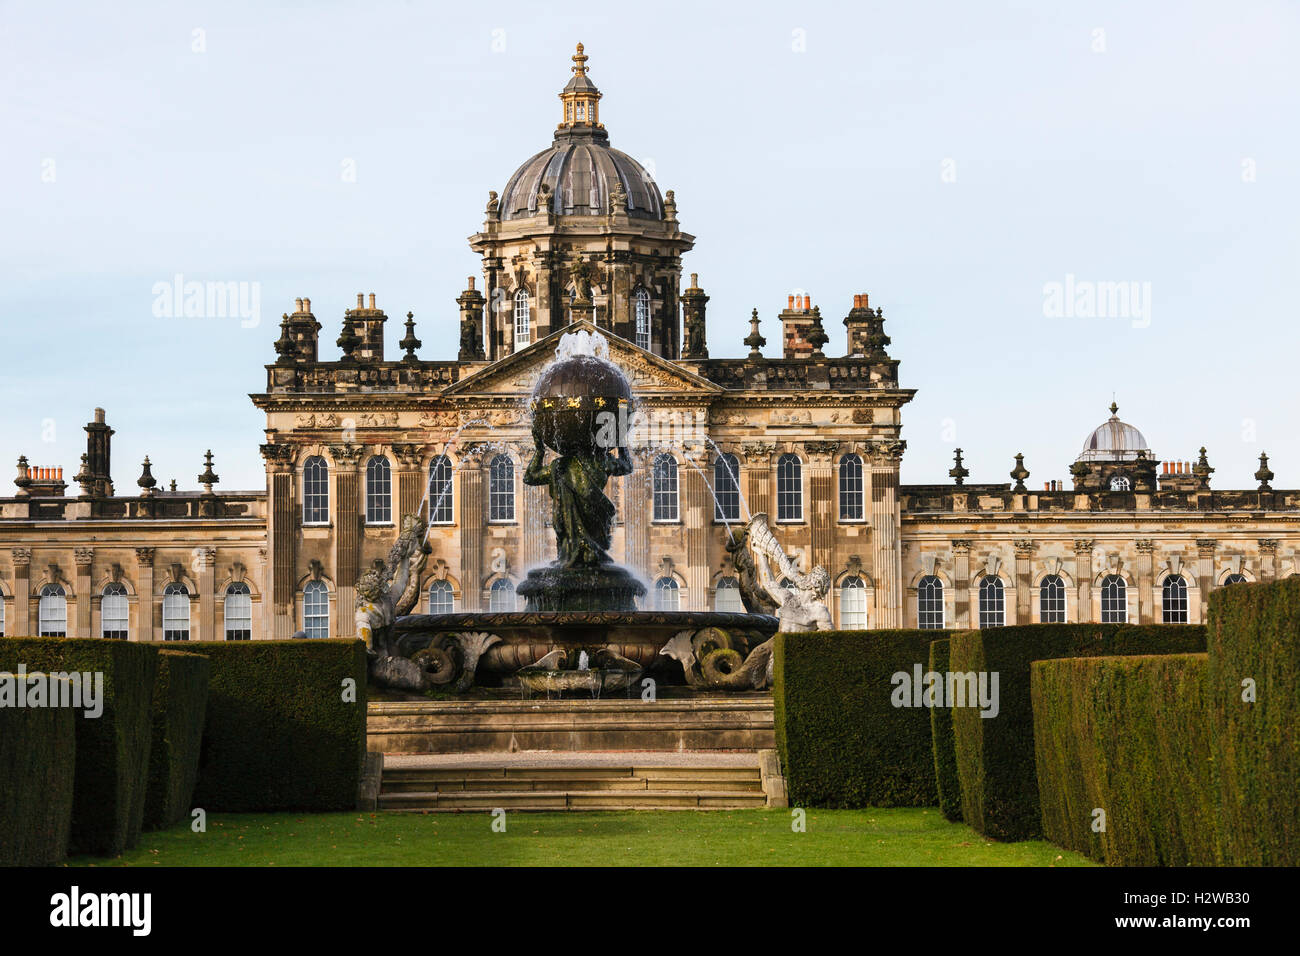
(516, 374)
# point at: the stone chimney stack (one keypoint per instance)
(99, 443)
(303, 331)
(471, 324)
(796, 323)
(368, 323)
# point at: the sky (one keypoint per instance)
(1055, 204)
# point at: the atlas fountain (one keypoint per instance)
(581, 630)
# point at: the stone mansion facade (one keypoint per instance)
(581, 237)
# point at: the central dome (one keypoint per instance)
(580, 170)
(1114, 440)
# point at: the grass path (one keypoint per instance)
(895, 837)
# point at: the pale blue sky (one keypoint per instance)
(819, 170)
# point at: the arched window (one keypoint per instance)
(114, 612)
(1114, 600)
(641, 307)
(993, 607)
(441, 495)
(316, 609)
(726, 488)
(523, 320)
(176, 612)
(1174, 604)
(853, 603)
(52, 611)
(852, 507)
(665, 488)
(501, 489)
(379, 491)
(441, 598)
(666, 595)
(1051, 600)
(239, 612)
(501, 597)
(789, 488)
(1234, 579)
(315, 491)
(1120, 483)
(726, 596)
(929, 603)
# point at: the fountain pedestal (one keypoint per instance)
(606, 587)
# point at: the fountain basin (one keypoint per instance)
(528, 636)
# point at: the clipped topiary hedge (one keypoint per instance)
(1128, 736)
(180, 699)
(995, 756)
(279, 734)
(841, 740)
(112, 762)
(1255, 637)
(38, 749)
(946, 780)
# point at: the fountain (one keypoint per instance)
(581, 630)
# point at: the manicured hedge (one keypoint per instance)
(37, 765)
(112, 761)
(1255, 635)
(995, 756)
(945, 754)
(180, 699)
(1129, 736)
(279, 735)
(841, 740)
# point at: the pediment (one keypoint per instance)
(649, 374)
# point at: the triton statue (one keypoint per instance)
(801, 607)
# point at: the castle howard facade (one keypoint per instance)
(581, 238)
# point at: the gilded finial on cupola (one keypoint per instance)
(580, 97)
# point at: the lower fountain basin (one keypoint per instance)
(528, 636)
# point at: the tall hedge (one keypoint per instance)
(1128, 736)
(180, 699)
(841, 740)
(995, 756)
(112, 762)
(1255, 637)
(946, 780)
(279, 734)
(38, 750)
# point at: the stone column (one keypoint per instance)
(148, 611)
(1083, 579)
(207, 580)
(1024, 581)
(824, 505)
(1205, 572)
(283, 519)
(411, 481)
(83, 558)
(347, 536)
(636, 513)
(469, 518)
(1268, 559)
(22, 626)
(757, 473)
(1145, 581)
(960, 584)
(883, 458)
(697, 518)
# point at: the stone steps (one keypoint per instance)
(579, 781)
(731, 722)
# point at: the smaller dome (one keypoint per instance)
(1114, 440)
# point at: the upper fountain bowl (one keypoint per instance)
(570, 399)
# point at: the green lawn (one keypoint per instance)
(899, 837)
